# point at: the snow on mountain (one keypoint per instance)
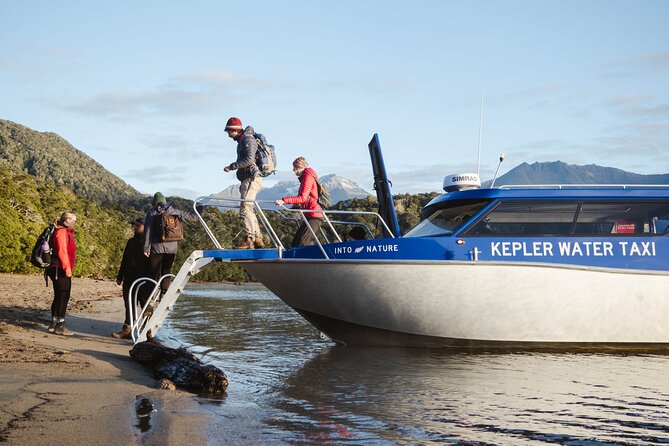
(340, 189)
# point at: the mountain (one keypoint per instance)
(340, 188)
(557, 172)
(51, 159)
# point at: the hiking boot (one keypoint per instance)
(248, 244)
(258, 243)
(61, 329)
(125, 333)
(52, 325)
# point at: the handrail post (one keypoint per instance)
(205, 226)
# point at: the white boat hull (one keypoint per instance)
(461, 303)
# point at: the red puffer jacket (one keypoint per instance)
(307, 197)
(65, 249)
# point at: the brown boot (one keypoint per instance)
(248, 244)
(123, 334)
(258, 243)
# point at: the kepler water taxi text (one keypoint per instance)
(572, 249)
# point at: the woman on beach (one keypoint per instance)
(65, 255)
(307, 198)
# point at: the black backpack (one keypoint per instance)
(42, 254)
(265, 156)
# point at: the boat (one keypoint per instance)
(537, 267)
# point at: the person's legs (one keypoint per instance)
(254, 188)
(125, 331)
(62, 287)
(52, 273)
(166, 268)
(126, 300)
(249, 189)
(303, 235)
(298, 235)
(143, 292)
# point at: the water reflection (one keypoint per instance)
(143, 409)
(408, 395)
(289, 387)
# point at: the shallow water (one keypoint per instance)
(288, 386)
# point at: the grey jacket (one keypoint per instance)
(247, 146)
(152, 241)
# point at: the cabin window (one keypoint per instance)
(527, 218)
(446, 218)
(586, 218)
(622, 218)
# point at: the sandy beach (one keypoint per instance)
(82, 389)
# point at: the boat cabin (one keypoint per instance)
(558, 212)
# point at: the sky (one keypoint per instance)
(145, 87)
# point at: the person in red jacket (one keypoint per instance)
(307, 198)
(60, 271)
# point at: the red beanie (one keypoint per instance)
(233, 124)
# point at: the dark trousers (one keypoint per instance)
(62, 286)
(303, 235)
(143, 290)
(159, 265)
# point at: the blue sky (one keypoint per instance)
(145, 87)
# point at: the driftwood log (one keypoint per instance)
(180, 367)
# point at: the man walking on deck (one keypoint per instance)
(248, 175)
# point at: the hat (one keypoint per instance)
(233, 124)
(138, 221)
(159, 198)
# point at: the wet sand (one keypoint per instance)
(80, 389)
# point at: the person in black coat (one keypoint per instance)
(134, 265)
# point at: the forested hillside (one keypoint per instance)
(51, 159)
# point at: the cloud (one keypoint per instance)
(190, 94)
(644, 64)
(639, 106)
(157, 174)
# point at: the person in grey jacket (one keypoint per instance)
(161, 254)
(248, 175)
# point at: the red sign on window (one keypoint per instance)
(624, 227)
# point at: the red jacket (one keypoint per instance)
(307, 197)
(65, 249)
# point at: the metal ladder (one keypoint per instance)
(147, 323)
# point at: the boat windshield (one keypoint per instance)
(446, 218)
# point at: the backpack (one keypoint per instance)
(42, 253)
(265, 156)
(323, 195)
(171, 227)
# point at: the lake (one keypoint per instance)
(290, 386)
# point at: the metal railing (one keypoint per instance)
(276, 241)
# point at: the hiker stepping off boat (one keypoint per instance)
(64, 250)
(162, 230)
(255, 159)
(307, 198)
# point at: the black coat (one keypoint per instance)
(134, 263)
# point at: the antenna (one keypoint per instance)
(501, 158)
(478, 164)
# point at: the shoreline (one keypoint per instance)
(85, 388)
